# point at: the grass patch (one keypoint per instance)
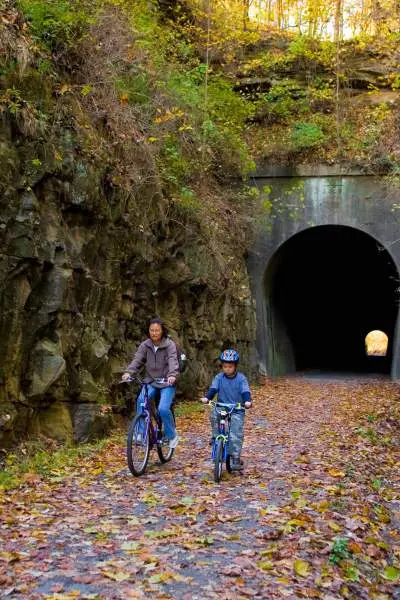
(44, 459)
(188, 408)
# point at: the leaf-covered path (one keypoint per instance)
(314, 515)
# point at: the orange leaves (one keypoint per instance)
(314, 527)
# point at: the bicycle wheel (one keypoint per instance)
(164, 452)
(229, 463)
(218, 460)
(138, 446)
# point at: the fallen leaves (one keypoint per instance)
(315, 514)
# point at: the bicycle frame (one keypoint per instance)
(148, 409)
(224, 412)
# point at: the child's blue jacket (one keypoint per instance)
(230, 390)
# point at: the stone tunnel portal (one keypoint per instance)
(326, 288)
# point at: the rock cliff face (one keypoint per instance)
(83, 266)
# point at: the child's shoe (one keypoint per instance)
(236, 464)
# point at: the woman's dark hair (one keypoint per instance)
(160, 322)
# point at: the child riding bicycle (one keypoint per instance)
(232, 388)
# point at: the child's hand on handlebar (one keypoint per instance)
(247, 404)
(204, 400)
(125, 376)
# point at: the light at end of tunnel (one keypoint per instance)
(376, 343)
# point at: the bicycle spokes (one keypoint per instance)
(138, 446)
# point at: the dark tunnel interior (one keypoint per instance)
(327, 288)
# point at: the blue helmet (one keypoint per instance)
(229, 355)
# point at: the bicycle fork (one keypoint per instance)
(222, 436)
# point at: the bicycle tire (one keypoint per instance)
(218, 461)
(133, 447)
(164, 458)
(228, 463)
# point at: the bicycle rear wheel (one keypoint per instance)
(164, 452)
(229, 463)
(138, 445)
(218, 460)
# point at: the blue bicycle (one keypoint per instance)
(220, 448)
(145, 431)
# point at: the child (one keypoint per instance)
(232, 387)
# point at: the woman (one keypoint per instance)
(158, 354)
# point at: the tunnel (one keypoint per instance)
(325, 289)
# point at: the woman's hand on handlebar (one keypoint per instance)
(204, 400)
(247, 404)
(125, 376)
(171, 380)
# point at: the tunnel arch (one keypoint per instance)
(324, 289)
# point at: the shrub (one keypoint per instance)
(56, 24)
(306, 135)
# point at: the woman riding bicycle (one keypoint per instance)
(232, 388)
(159, 356)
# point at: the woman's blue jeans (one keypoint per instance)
(167, 396)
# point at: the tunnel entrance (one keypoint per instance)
(326, 288)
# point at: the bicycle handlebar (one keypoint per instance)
(141, 381)
(132, 378)
(231, 407)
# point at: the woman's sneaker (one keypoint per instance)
(174, 442)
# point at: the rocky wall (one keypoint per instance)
(83, 266)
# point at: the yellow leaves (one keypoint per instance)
(168, 576)
(265, 565)
(229, 518)
(336, 473)
(169, 115)
(150, 498)
(322, 507)
(301, 567)
(334, 526)
(123, 99)
(10, 557)
(64, 89)
(86, 90)
(382, 514)
(70, 595)
(391, 573)
(160, 533)
(116, 575)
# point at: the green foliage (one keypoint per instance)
(175, 168)
(304, 136)
(285, 99)
(309, 49)
(187, 201)
(37, 457)
(55, 24)
(339, 551)
(134, 87)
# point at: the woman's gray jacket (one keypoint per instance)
(159, 364)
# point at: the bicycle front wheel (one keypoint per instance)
(219, 458)
(138, 445)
